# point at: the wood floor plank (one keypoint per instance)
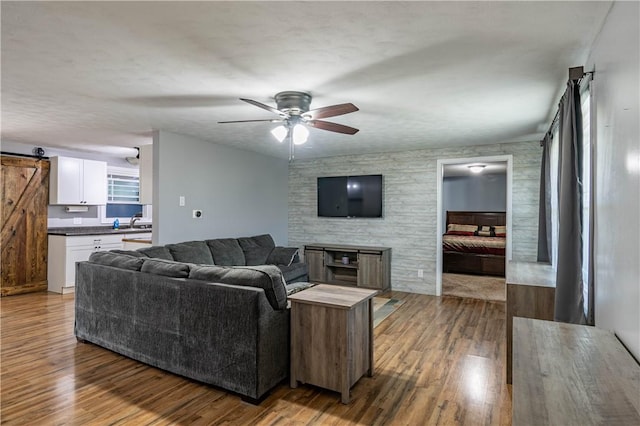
(438, 360)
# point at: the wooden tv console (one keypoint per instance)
(367, 267)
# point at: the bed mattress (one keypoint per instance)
(474, 244)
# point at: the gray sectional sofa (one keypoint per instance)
(188, 309)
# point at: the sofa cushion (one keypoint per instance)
(226, 252)
(256, 249)
(294, 271)
(282, 256)
(191, 251)
(166, 268)
(133, 253)
(256, 255)
(118, 260)
(157, 252)
(263, 240)
(267, 277)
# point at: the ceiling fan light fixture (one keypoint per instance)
(476, 168)
(300, 134)
(280, 133)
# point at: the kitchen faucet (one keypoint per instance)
(134, 218)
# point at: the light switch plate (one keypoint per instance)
(77, 221)
(182, 201)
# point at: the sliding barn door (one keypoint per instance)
(24, 198)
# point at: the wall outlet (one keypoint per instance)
(197, 214)
(181, 201)
(77, 221)
(420, 273)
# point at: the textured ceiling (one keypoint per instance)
(100, 75)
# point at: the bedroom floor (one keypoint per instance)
(474, 286)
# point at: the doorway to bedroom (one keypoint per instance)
(474, 223)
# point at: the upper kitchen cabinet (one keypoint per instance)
(75, 181)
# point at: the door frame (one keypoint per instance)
(439, 222)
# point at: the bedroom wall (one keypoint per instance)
(615, 57)
(240, 193)
(410, 211)
(483, 192)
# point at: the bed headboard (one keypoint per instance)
(477, 218)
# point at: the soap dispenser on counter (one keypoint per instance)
(116, 224)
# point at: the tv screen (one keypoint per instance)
(350, 196)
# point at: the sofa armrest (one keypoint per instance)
(283, 256)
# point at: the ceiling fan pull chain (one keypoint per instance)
(291, 147)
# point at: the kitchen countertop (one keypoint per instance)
(139, 240)
(96, 230)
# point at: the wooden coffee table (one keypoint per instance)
(331, 337)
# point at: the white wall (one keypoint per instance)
(241, 193)
(410, 208)
(615, 58)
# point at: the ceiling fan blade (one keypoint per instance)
(330, 111)
(264, 106)
(250, 121)
(332, 127)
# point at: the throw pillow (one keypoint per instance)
(500, 231)
(459, 229)
(484, 231)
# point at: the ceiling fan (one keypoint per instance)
(294, 114)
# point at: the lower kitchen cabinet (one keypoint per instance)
(65, 251)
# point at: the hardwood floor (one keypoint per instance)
(438, 361)
(474, 286)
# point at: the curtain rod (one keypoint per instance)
(575, 74)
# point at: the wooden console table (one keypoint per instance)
(531, 292)
(331, 337)
(368, 267)
(566, 374)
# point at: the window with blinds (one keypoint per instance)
(123, 189)
(123, 195)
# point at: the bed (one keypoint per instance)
(474, 243)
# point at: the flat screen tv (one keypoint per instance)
(350, 196)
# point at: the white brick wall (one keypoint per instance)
(410, 210)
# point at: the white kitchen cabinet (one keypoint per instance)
(74, 181)
(65, 251)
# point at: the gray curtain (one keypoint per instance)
(544, 209)
(569, 299)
